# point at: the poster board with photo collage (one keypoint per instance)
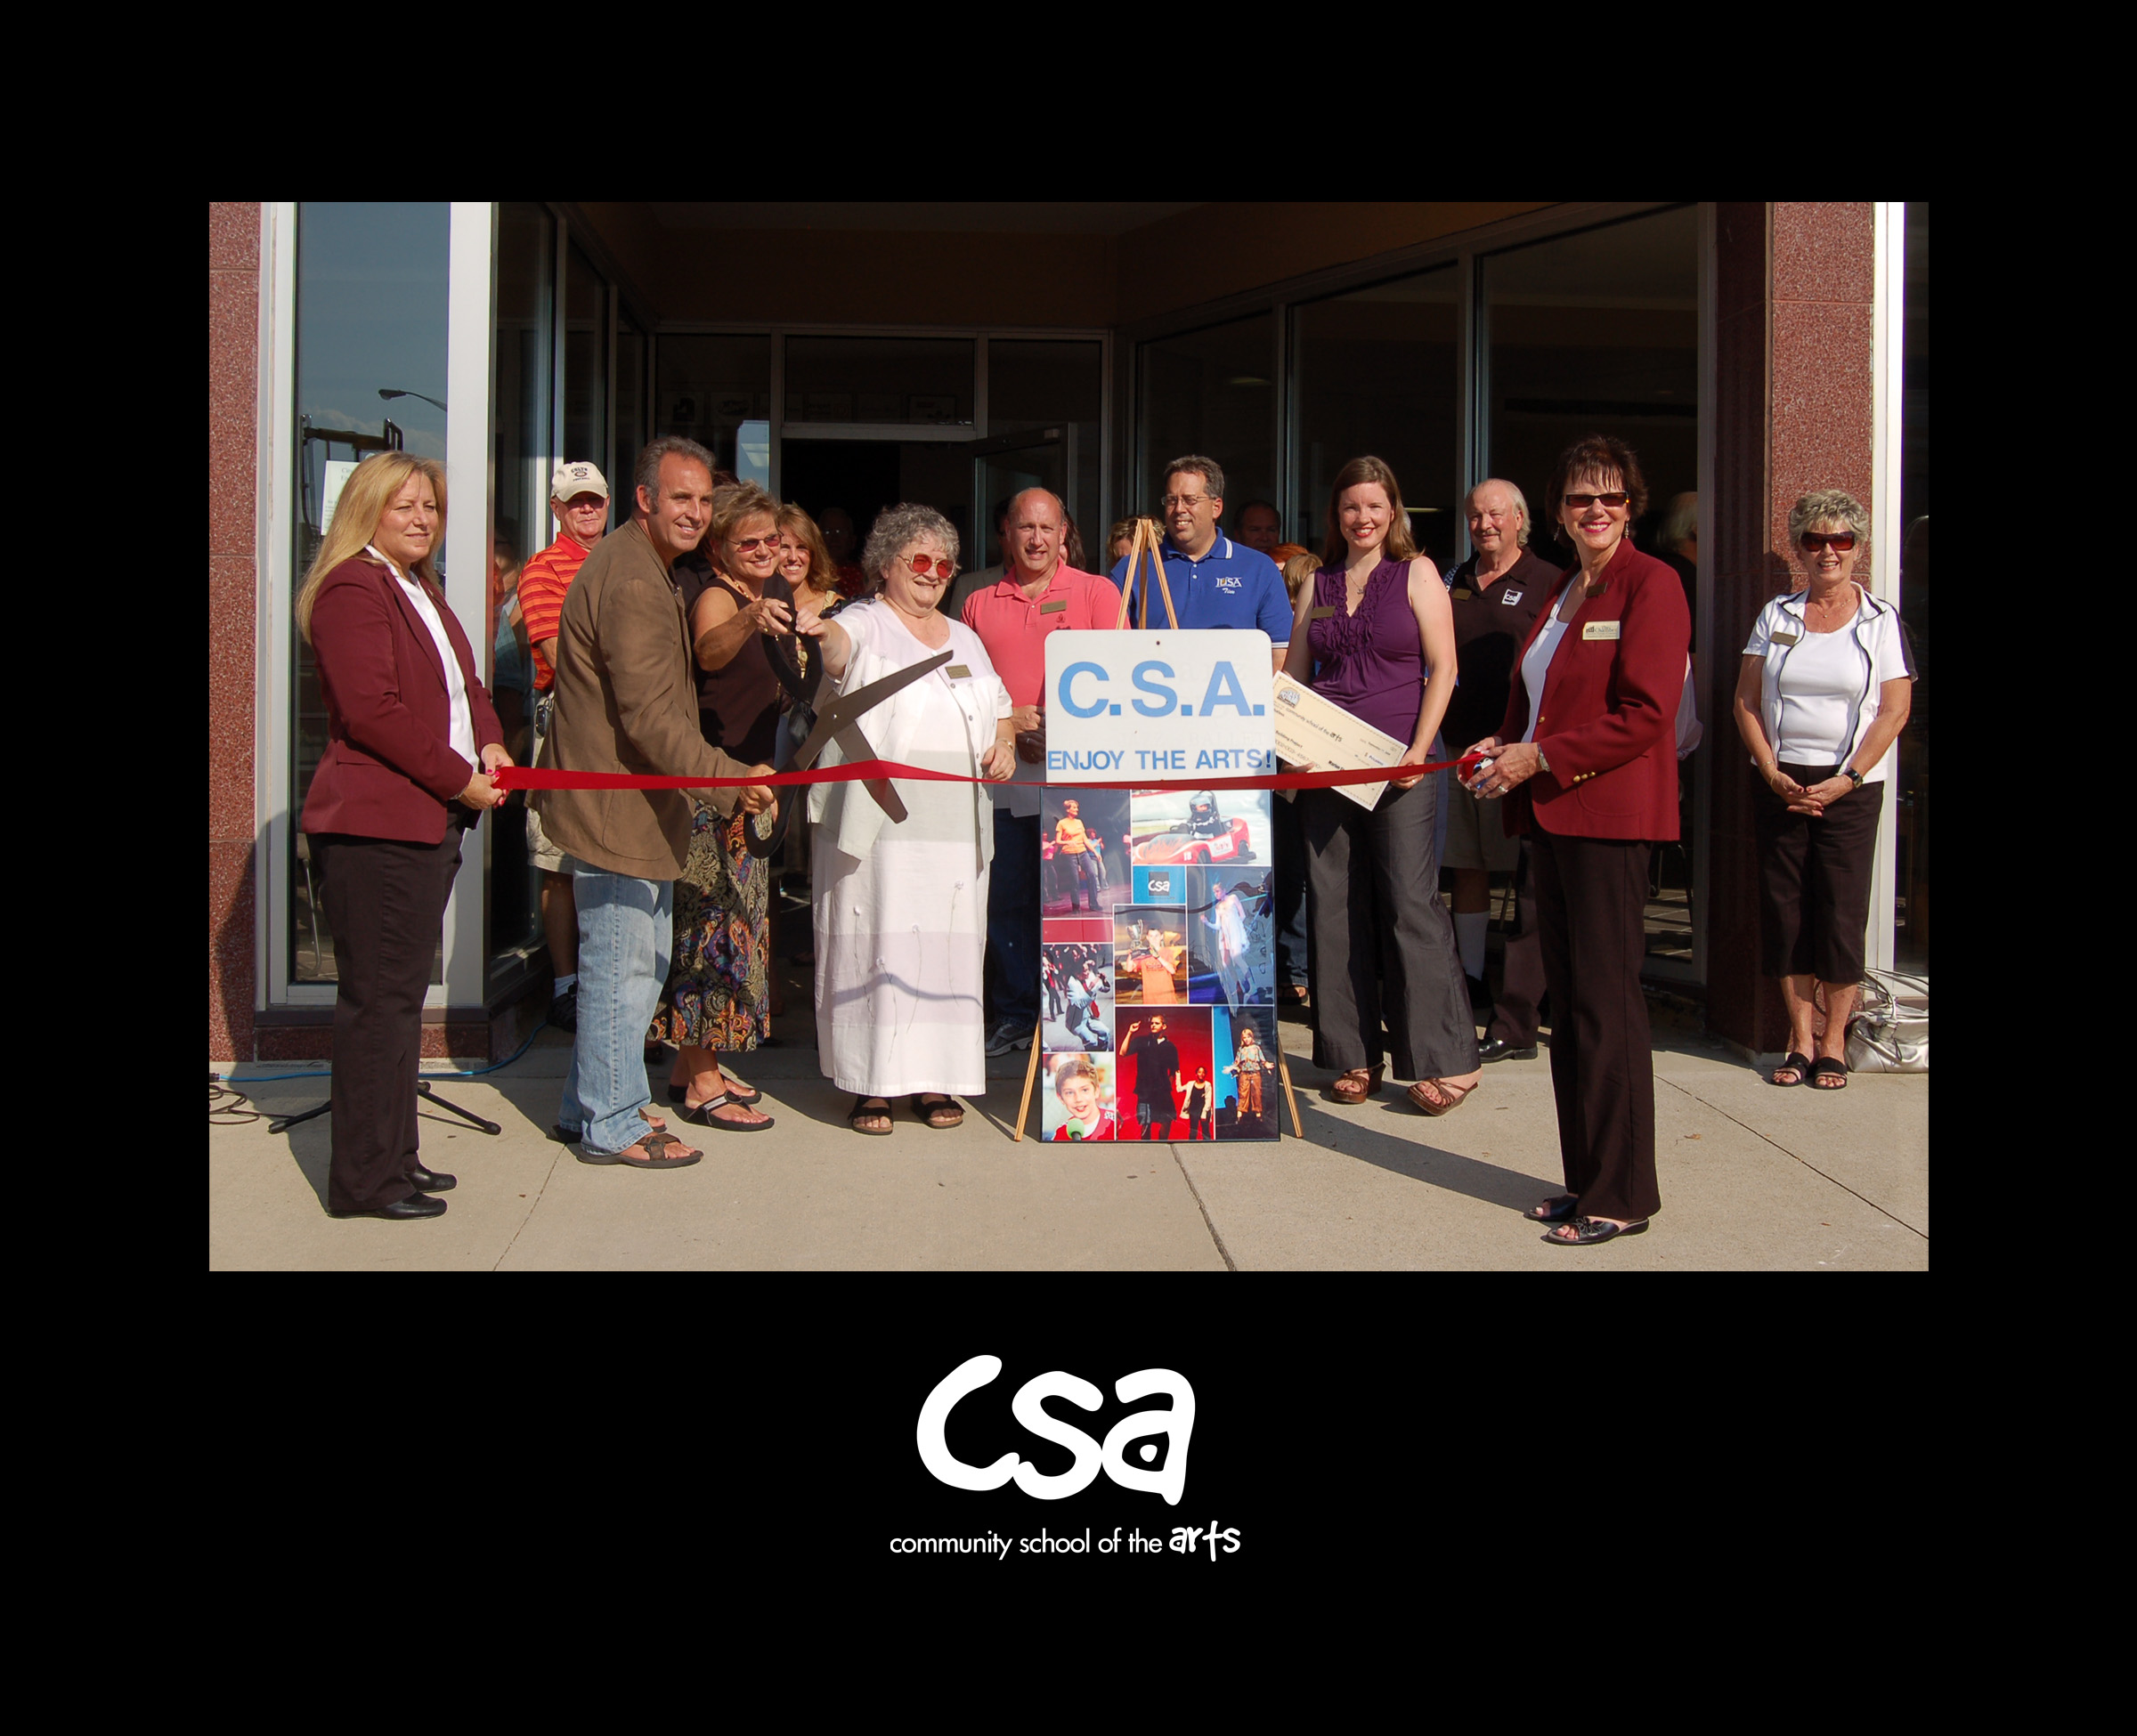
(1157, 927)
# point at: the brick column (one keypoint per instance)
(1793, 337)
(233, 341)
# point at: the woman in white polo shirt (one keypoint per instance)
(1824, 693)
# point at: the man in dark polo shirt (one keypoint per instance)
(1498, 593)
(1214, 580)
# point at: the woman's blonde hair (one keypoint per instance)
(734, 506)
(364, 498)
(1399, 546)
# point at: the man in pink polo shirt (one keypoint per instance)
(1039, 594)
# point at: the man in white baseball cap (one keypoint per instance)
(579, 497)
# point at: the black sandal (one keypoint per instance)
(702, 1116)
(1588, 1231)
(747, 1096)
(1556, 1209)
(1825, 1067)
(932, 1108)
(861, 1112)
(1791, 1062)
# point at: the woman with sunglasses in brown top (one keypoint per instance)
(1823, 693)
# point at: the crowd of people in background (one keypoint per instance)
(699, 632)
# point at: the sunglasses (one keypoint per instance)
(943, 569)
(1840, 541)
(1580, 503)
(750, 545)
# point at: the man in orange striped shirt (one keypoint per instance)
(579, 497)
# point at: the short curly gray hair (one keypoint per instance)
(1828, 506)
(897, 529)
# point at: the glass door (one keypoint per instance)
(1004, 467)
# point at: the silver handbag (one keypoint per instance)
(1889, 1029)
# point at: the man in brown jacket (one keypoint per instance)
(626, 701)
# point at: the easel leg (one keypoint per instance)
(1031, 1070)
(1298, 1128)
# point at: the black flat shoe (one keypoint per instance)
(1497, 1049)
(430, 1181)
(1556, 1209)
(416, 1205)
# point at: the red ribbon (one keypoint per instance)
(508, 778)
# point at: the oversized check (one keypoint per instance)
(1312, 731)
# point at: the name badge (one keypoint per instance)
(1321, 614)
(958, 672)
(1786, 638)
(1509, 597)
(1600, 630)
(1053, 608)
(1464, 596)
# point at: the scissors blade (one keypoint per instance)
(856, 746)
(842, 711)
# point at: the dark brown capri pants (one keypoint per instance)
(1813, 880)
(1383, 945)
(385, 901)
(1591, 904)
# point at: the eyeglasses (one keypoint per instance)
(750, 545)
(943, 569)
(1580, 503)
(1177, 502)
(1840, 541)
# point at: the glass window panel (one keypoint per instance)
(1911, 939)
(1047, 382)
(706, 387)
(1374, 372)
(370, 319)
(879, 380)
(1599, 333)
(630, 401)
(585, 359)
(526, 261)
(1209, 393)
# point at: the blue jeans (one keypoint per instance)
(1012, 920)
(626, 931)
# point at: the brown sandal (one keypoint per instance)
(656, 1147)
(1357, 1085)
(1436, 1097)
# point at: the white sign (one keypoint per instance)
(334, 478)
(1123, 707)
(1312, 731)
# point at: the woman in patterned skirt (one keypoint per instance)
(717, 1000)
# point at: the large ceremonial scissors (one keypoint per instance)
(840, 722)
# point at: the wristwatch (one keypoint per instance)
(1542, 765)
(1854, 776)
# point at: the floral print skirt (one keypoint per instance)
(718, 981)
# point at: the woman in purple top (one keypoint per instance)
(1377, 623)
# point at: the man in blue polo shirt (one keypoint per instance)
(1214, 580)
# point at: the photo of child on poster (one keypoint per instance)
(1079, 1098)
(1161, 1053)
(1150, 956)
(1231, 957)
(1083, 849)
(1076, 994)
(1207, 828)
(1244, 1039)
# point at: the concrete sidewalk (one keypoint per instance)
(1753, 1179)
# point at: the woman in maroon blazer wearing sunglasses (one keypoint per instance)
(411, 741)
(1588, 753)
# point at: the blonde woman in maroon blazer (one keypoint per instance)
(1588, 754)
(411, 740)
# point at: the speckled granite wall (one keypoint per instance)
(233, 333)
(1793, 334)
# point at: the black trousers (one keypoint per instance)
(385, 901)
(1813, 880)
(1383, 945)
(1514, 1015)
(1591, 899)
